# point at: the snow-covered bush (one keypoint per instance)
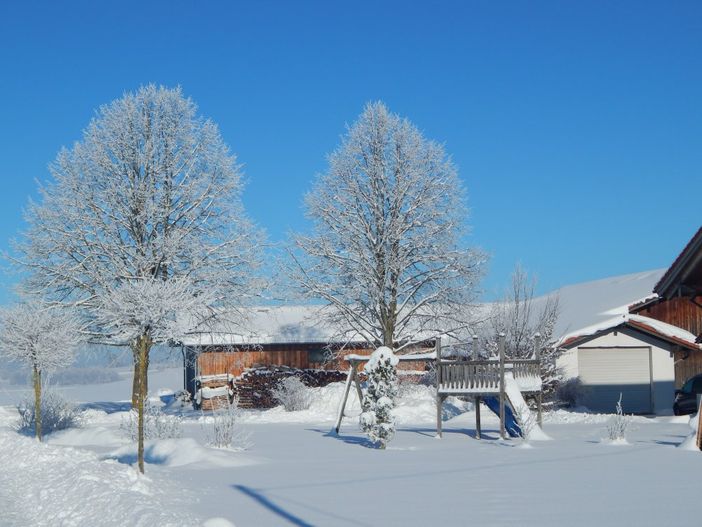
(292, 393)
(56, 414)
(571, 392)
(619, 424)
(222, 428)
(429, 377)
(157, 425)
(377, 420)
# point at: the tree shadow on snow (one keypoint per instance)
(350, 439)
(150, 457)
(469, 432)
(268, 504)
(259, 496)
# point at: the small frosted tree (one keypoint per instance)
(43, 338)
(378, 401)
(386, 254)
(146, 312)
(521, 317)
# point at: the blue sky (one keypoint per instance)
(576, 126)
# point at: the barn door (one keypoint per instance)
(607, 372)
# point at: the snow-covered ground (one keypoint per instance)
(298, 473)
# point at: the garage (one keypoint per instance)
(610, 371)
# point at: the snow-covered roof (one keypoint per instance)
(266, 325)
(648, 325)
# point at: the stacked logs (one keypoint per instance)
(254, 387)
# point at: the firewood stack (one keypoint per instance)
(216, 391)
(254, 387)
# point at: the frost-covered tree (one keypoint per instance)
(378, 401)
(521, 318)
(386, 252)
(151, 193)
(43, 338)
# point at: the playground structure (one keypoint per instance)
(500, 384)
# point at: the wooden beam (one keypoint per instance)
(501, 347)
(477, 418)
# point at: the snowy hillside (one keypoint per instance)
(589, 303)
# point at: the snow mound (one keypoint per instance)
(218, 522)
(582, 415)
(48, 485)
(690, 442)
(179, 453)
(415, 404)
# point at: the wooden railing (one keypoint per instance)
(468, 375)
(482, 375)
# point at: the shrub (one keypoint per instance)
(56, 414)
(571, 392)
(378, 402)
(619, 424)
(292, 393)
(222, 428)
(157, 425)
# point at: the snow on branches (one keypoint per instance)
(378, 401)
(41, 337)
(164, 309)
(385, 252)
(151, 191)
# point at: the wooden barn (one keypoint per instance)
(677, 300)
(275, 339)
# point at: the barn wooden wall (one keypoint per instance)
(679, 312)
(686, 368)
(235, 362)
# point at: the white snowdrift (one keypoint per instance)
(690, 442)
(49, 485)
(416, 404)
(181, 452)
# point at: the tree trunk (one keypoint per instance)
(143, 346)
(136, 378)
(36, 374)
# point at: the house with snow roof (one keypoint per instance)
(646, 351)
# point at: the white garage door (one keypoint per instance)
(607, 372)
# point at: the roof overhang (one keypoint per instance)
(636, 325)
(684, 277)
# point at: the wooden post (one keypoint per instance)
(357, 382)
(476, 356)
(349, 380)
(477, 417)
(439, 398)
(501, 347)
(539, 397)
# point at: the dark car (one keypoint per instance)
(686, 397)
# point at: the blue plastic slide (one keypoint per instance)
(511, 424)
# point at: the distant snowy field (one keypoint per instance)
(297, 473)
